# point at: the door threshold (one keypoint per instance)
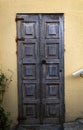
(39, 127)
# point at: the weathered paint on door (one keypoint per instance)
(40, 68)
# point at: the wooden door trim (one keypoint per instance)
(20, 110)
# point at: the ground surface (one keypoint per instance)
(76, 125)
(73, 126)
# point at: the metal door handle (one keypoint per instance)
(43, 61)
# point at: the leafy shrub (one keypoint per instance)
(4, 119)
(4, 116)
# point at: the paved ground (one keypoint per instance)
(73, 126)
(68, 126)
(76, 125)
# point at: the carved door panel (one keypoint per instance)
(28, 67)
(52, 68)
(40, 68)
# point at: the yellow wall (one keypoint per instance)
(73, 40)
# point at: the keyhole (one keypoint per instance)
(43, 61)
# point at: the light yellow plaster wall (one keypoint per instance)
(0, 47)
(73, 55)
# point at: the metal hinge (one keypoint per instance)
(19, 19)
(20, 39)
(16, 52)
(64, 108)
(21, 118)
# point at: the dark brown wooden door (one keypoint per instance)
(40, 68)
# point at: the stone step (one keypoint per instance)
(41, 127)
(76, 125)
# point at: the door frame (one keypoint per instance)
(20, 110)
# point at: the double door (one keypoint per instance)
(40, 68)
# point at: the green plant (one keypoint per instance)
(4, 83)
(4, 116)
(4, 121)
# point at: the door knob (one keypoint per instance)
(43, 61)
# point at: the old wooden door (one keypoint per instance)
(40, 68)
